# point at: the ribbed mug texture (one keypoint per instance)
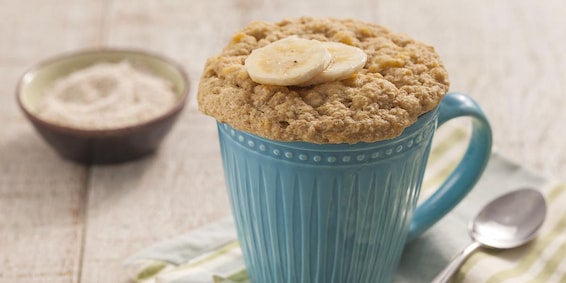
(331, 213)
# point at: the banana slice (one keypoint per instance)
(289, 61)
(346, 60)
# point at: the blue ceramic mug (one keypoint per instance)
(337, 213)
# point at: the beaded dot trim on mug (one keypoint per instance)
(365, 154)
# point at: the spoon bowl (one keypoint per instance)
(508, 221)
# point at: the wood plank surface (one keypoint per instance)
(41, 201)
(63, 222)
(41, 196)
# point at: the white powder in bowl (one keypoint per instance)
(106, 96)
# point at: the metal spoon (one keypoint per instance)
(509, 221)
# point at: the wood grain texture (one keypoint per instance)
(139, 203)
(62, 222)
(41, 202)
(506, 55)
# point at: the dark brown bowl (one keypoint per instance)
(101, 146)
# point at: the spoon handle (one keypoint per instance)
(455, 263)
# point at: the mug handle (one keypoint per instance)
(468, 171)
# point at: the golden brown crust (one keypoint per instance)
(401, 80)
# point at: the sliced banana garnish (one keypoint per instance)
(303, 62)
(346, 60)
(289, 61)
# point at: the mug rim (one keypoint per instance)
(415, 137)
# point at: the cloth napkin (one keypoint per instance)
(212, 253)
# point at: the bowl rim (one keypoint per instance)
(93, 133)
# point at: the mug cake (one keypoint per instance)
(366, 83)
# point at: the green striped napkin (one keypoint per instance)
(212, 253)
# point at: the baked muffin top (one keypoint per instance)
(401, 79)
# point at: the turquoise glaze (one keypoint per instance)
(338, 213)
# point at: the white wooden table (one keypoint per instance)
(63, 222)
